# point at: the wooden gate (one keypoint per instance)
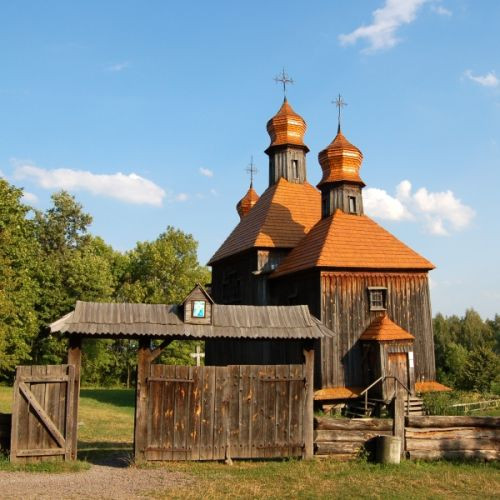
(213, 413)
(42, 423)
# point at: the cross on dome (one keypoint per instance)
(252, 170)
(340, 103)
(284, 79)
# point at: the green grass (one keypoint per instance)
(330, 479)
(43, 467)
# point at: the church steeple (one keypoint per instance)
(287, 151)
(341, 184)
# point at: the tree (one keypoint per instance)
(18, 288)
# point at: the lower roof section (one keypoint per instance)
(164, 321)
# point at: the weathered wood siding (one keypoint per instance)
(214, 413)
(42, 413)
(345, 309)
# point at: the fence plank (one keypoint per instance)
(296, 410)
(258, 418)
(245, 397)
(207, 421)
(282, 422)
(181, 418)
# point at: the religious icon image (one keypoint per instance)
(198, 309)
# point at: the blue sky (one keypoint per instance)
(149, 112)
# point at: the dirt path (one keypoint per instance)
(99, 481)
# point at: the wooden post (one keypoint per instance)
(141, 399)
(308, 424)
(399, 416)
(75, 359)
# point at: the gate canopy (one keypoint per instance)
(168, 321)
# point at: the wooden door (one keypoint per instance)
(42, 413)
(397, 366)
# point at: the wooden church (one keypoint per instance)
(300, 244)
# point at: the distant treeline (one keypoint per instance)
(49, 260)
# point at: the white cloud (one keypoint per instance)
(381, 33)
(115, 68)
(181, 197)
(29, 198)
(130, 188)
(206, 172)
(214, 192)
(440, 213)
(487, 80)
(442, 11)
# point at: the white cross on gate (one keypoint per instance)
(198, 355)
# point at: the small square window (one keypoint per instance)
(378, 298)
(199, 308)
(352, 205)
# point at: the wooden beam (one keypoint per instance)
(354, 424)
(75, 359)
(141, 399)
(41, 452)
(449, 421)
(398, 406)
(154, 353)
(308, 424)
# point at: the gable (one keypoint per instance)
(198, 307)
(351, 242)
(280, 219)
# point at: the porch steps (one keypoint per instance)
(356, 407)
(416, 406)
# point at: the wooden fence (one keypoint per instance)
(42, 413)
(452, 437)
(215, 413)
(345, 438)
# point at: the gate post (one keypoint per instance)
(308, 423)
(75, 359)
(141, 399)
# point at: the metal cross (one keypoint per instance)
(340, 103)
(251, 169)
(284, 79)
(198, 355)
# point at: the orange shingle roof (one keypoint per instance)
(247, 202)
(281, 217)
(286, 127)
(430, 386)
(353, 242)
(337, 393)
(382, 328)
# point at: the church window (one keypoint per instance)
(352, 205)
(378, 298)
(199, 308)
(295, 169)
(325, 206)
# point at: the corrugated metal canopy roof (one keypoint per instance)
(160, 320)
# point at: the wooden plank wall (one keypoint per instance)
(344, 438)
(42, 423)
(437, 437)
(221, 412)
(345, 310)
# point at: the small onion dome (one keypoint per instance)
(287, 127)
(340, 161)
(247, 202)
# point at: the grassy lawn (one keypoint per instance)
(106, 431)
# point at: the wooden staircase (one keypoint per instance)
(416, 406)
(355, 408)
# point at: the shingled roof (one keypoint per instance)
(382, 329)
(351, 242)
(161, 321)
(284, 214)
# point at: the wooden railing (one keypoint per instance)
(383, 379)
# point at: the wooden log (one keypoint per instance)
(357, 436)
(452, 444)
(308, 425)
(338, 457)
(338, 447)
(75, 359)
(358, 424)
(453, 433)
(454, 454)
(450, 421)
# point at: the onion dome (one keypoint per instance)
(340, 161)
(287, 127)
(247, 202)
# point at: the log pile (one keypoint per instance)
(344, 438)
(436, 437)
(5, 422)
